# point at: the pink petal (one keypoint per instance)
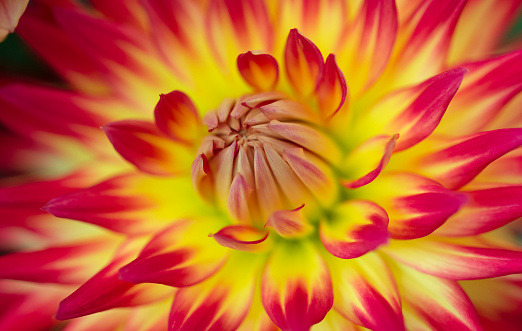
(70, 264)
(486, 210)
(455, 260)
(295, 287)
(259, 70)
(220, 303)
(370, 157)
(116, 204)
(357, 228)
(106, 290)
(242, 238)
(177, 117)
(143, 145)
(181, 255)
(289, 223)
(46, 110)
(486, 89)
(332, 90)
(432, 303)
(455, 166)
(366, 293)
(300, 49)
(418, 120)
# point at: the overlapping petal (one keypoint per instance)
(131, 204)
(296, 286)
(105, 290)
(433, 303)
(365, 292)
(458, 260)
(181, 255)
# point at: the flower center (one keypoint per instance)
(264, 153)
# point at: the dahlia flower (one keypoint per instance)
(324, 165)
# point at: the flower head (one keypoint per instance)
(330, 164)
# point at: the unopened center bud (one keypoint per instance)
(264, 154)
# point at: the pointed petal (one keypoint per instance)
(181, 255)
(143, 145)
(432, 303)
(417, 206)
(332, 90)
(106, 290)
(431, 98)
(456, 260)
(304, 63)
(357, 228)
(366, 293)
(455, 166)
(242, 238)
(289, 223)
(259, 70)
(486, 210)
(370, 158)
(369, 43)
(296, 286)
(70, 264)
(47, 109)
(177, 117)
(222, 302)
(486, 89)
(130, 204)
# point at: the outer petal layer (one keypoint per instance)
(456, 260)
(130, 204)
(143, 145)
(222, 302)
(365, 292)
(304, 63)
(181, 255)
(485, 211)
(431, 303)
(455, 166)
(106, 290)
(296, 287)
